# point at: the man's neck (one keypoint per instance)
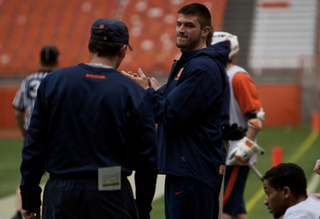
(294, 201)
(229, 65)
(46, 68)
(301, 199)
(102, 61)
(201, 45)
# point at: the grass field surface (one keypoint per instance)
(299, 144)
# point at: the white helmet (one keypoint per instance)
(222, 36)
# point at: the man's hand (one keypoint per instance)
(154, 83)
(317, 167)
(28, 214)
(233, 132)
(139, 77)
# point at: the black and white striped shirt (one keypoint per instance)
(26, 95)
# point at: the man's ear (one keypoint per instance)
(122, 51)
(205, 31)
(286, 192)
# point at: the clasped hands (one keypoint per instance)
(144, 81)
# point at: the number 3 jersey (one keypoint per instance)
(27, 93)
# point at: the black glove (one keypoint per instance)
(233, 132)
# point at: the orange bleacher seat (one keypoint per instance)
(152, 33)
(26, 26)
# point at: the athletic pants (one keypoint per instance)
(235, 181)
(80, 199)
(189, 198)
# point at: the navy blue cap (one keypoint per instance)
(117, 31)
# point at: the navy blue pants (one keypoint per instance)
(189, 198)
(80, 198)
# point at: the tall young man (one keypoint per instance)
(91, 127)
(246, 111)
(286, 193)
(188, 110)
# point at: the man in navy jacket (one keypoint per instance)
(188, 110)
(91, 126)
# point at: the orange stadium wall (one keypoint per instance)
(282, 104)
(7, 94)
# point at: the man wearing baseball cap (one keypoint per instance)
(91, 127)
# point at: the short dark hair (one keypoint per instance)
(103, 48)
(49, 56)
(204, 17)
(290, 175)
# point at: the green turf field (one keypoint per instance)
(291, 140)
(300, 146)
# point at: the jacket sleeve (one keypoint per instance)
(33, 157)
(190, 99)
(146, 160)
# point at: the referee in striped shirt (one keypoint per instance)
(24, 100)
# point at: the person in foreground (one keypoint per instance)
(91, 126)
(188, 110)
(286, 193)
(25, 98)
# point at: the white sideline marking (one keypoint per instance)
(313, 183)
(159, 187)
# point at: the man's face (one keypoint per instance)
(188, 32)
(274, 200)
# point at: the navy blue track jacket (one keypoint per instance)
(86, 118)
(188, 110)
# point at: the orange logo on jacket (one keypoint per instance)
(221, 169)
(178, 75)
(96, 76)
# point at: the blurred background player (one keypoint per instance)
(286, 193)
(25, 98)
(229, 131)
(90, 128)
(26, 95)
(246, 111)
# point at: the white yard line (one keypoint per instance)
(313, 184)
(159, 187)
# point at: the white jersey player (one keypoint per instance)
(26, 95)
(310, 208)
(286, 193)
(246, 111)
